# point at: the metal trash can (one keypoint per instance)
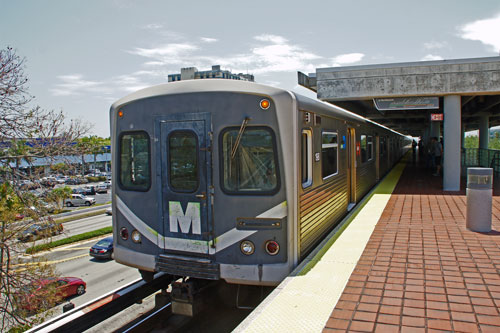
(479, 199)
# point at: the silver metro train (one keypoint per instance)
(236, 181)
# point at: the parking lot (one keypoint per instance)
(100, 198)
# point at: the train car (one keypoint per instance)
(236, 181)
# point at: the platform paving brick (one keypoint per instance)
(422, 270)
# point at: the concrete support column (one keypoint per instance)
(452, 138)
(484, 131)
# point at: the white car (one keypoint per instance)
(101, 188)
(79, 200)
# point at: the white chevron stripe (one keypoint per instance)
(189, 245)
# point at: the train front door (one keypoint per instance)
(351, 166)
(186, 180)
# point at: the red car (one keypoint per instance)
(48, 292)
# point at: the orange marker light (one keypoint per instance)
(120, 113)
(265, 104)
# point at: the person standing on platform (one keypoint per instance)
(437, 152)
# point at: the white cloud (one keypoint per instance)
(76, 85)
(268, 56)
(280, 57)
(272, 54)
(208, 40)
(271, 38)
(431, 57)
(486, 31)
(153, 26)
(435, 45)
(73, 85)
(169, 50)
(348, 58)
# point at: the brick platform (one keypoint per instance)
(422, 270)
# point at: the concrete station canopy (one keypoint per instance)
(476, 81)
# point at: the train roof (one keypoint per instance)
(205, 85)
(223, 85)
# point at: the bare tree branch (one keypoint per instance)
(27, 133)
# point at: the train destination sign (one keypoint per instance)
(406, 103)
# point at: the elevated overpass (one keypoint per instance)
(427, 99)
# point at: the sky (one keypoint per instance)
(81, 56)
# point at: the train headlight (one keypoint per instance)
(247, 247)
(136, 237)
(124, 233)
(265, 104)
(272, 248)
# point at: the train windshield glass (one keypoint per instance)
(253, 168)
(183, 161)
(134, 161)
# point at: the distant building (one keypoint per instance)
(192, 73)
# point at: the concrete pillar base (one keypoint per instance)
(479, 210)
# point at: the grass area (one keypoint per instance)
(80, 216)
(69, 240)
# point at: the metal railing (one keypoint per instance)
(476, 157)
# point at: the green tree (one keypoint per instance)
(471, 141)
(494, 143)
(91, 145)
(58, 195)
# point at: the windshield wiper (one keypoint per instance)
(240, 134)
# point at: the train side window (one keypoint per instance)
(249, 161)
(362, 144)
(369, 148)
(135, 156)
(329, 154)
(306, 158)
(183, 161)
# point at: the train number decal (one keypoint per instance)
(177, 217)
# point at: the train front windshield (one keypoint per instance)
(252, 168)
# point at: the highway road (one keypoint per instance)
(85, 225)
(101, 276)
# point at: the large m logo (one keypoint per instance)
(185, 221)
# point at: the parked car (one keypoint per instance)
(79, 200)
(46, 293)
(73, 181)
(40, 230)
(78, 190)
(89, 190)
(101, 188)
(48, 207)
(48, 181)
(103, 249)
(108, 183)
